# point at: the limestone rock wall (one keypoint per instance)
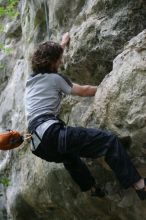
(107, 49)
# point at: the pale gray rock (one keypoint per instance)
(120, 101)
(99, 30)
(98, 34)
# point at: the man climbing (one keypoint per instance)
(53, 141)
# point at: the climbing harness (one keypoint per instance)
(12, 139)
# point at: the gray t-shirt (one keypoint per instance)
(43, 96)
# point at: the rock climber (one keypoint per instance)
(54, 141)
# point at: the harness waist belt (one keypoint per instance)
(41, 119)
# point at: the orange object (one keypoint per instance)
(10, 139)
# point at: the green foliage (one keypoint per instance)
(5, 50)
(9, 9)
(1, 28)
(1, 46)
(1, 66)
(8, 50)
(4, 181)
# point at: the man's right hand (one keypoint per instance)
(65, 40)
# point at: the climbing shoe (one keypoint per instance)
(142, 192)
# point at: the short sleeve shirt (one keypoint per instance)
(43, 94)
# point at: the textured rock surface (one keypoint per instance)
(99, 32)
(120, 102)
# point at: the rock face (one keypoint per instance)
(120, 102)
(108, 49)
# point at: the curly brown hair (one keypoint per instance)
(46, 54)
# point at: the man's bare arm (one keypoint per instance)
(78, 90)
(84, 91)
(65, 40)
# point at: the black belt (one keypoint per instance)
(41, 119)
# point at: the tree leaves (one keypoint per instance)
(9, 9)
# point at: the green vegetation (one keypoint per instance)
(5, 50)
(9, 9)
(1, 28)
(1, 66)
(4, 181)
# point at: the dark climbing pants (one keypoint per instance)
(67, 144)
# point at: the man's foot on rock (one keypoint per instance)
(142, 192)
